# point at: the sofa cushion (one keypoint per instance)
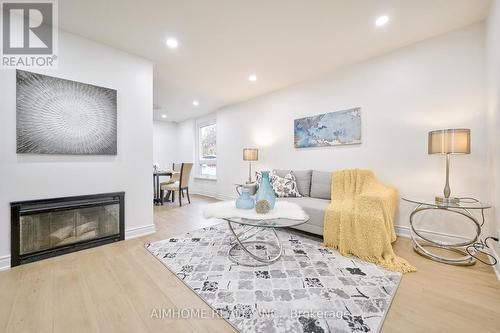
(321, 185)
(315, 208)
(302, 177)
(285, 186)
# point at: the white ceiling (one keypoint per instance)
(282, 41)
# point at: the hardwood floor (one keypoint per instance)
(114, 288)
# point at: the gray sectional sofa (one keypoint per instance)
(315, 188)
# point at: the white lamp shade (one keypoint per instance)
(250, 154)
(449, 141)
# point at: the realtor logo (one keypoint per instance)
(29, 34)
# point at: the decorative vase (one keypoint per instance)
(252, 188)
(265, 191)
(245, 201)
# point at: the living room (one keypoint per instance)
(265, 166)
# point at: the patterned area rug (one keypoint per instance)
(310, 289)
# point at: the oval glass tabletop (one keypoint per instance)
(465, 203)
(268, 223)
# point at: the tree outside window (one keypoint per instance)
(207, 150)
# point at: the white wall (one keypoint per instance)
(493, 70)
(165, 144)
(434, 84)
(186, 136)
(25, 177)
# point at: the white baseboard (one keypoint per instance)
(140, 231)
(129, 234)
(404, 231)
(205, 194)
(4, 262)
(215, 195)
(226, 197)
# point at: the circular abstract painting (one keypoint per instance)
(57, 116)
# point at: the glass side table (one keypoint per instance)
(465, 249)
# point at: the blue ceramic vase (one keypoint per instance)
(266, 191)
(245, 201)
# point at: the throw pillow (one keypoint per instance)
(285, 186)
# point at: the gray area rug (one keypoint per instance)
(310, 289)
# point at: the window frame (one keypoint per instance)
(199, 161)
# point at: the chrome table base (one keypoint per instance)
(422, 244)
(241, 241)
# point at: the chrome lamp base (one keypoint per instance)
(447, 201)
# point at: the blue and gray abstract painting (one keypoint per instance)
(328, 129)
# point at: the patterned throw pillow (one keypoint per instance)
(285, 186)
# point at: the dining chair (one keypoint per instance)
(176, 174)
(180, 185)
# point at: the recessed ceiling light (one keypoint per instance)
(252, 78)
(164, 116)
(196, 103)
(382, 20)
(172, 43)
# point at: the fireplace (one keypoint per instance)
(46, 228)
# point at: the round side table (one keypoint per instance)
(423, 244)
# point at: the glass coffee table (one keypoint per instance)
(247, 239)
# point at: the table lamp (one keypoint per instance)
(449, 142)
(250, 154)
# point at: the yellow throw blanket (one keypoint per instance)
(359, 220)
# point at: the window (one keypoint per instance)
(207, 149)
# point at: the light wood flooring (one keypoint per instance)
(114, 288)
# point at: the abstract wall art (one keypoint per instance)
(328, 129)
(57, 116)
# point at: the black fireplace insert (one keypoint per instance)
(50, 227)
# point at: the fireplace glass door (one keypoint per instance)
(48, 230)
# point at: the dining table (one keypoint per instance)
(156, 184)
